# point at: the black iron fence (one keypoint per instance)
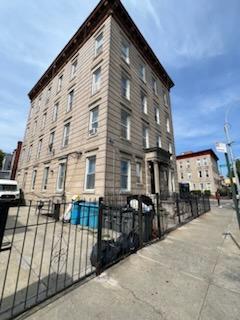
(46, 247)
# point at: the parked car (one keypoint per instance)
(9, 190)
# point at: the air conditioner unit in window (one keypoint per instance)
(92, 131)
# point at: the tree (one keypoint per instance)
(2, 154)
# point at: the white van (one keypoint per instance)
(9, 190)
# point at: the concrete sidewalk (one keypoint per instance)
(193, 274)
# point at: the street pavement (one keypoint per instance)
(194, 273)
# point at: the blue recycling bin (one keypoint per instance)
(75, 213)
(89, 214)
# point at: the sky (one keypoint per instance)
(198, 43)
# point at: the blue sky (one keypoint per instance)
(198, 42)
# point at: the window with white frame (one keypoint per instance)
(159, 141)
(189, 175)
(45, 178)
(205, 161)
(157, 114)
(188, 164)
(125, 125)
(90, 173)
(125, 87)
(30, 152)
(200, 174)
(142, 72)
(201, 186)
(125, 51)
(34, 127)
(144, 103)
(96, 81)
(34, 177)
(60, 81)
(48, 94)
(198, 162)
(207, 173)
(93, 121)
(125, 175)
(145, 135)
(51, 141)
(70, 100)
(208, 186)
(73, 68)
(61, 176)
(44, 118)
(182, 177)
(154, 85)
(66, 132)
(165, 99)
(139, 172)
(168, 125)
(39, 148)
(55, 111)
(99, 44)
(170, 148)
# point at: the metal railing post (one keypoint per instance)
(158, 216)
(140, 221)
(4, 207)
(99, 237)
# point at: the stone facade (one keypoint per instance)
(84, 132)
(199, 170)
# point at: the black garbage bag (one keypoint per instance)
(128, 242)
(109, 253)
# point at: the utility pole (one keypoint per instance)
(230, 151)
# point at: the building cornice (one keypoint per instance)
(198, 154)
(103, 10)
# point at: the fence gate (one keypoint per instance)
(40, 255)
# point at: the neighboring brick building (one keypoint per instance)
(199, 170)
(100, 119)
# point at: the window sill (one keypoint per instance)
(89, 192)
(96, 56)
(126, 140)
(125, 192)
(127, 63)
(91, 136)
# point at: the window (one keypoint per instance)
(201, 186)
(61, 176)
(165, 99)
(205, 161)
(66, 131)
(93, 125)
(200, 174)
(207, 173)
(154, 85)
(181, 166)
(157, 114)
(39, 148)
(34, 127)
(170, 149)
(34, 176)
(145, 137)
(96, 81)
(143, 103)
(31, 111)
(55, 112)
(209, 186)
(159, 142)
(45, 178)
(44, 118)
(73, 68)
(39, 103)
(189, 175)
(142, 72)
(139, 172)
(99, 44)
(70, 100)
(60, 81)
(125, 52)
(168, 125)
(188, 164)
(182, 177)
(125, 175)
(125, 87)
(199, 162)
(23, 155)
(48, 94)
(51, 141)
(90, 173)
(30, 152)
(24, 180)
(125, 125)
